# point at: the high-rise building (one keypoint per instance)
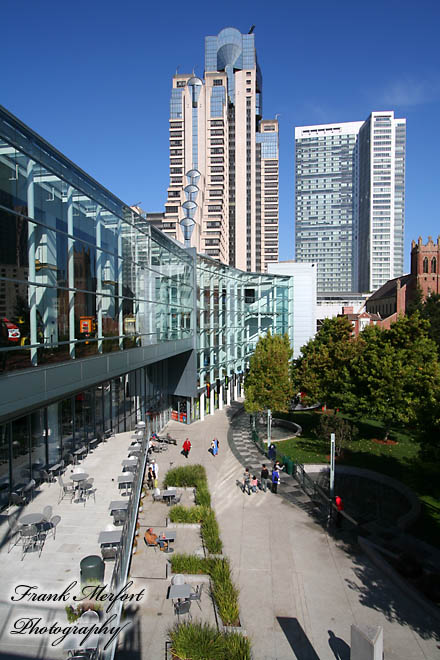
(223, 191)
(381, 208)
(324, 201)
(349, 201)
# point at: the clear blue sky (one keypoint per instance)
(93, 77)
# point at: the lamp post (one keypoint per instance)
(332, 473)
(269, 425)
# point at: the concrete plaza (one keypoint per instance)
(300, 588)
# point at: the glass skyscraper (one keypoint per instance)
(349, 201)
(223, 192)
(325, 168)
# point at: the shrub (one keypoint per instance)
(211, 533)
(223, 589)
(225, 592)
(187, 475)
(200, 641)
(183, 514)
(203, 496)
(188, 564)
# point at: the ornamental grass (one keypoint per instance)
(223, 589)
(201, 641)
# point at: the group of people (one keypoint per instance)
(214, 447)
(251, 483)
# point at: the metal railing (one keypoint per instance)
(123, 558)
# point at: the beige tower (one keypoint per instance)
(223, 192)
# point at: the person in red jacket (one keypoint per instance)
(186, 448)
(339, 507)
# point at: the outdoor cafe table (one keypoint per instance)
(110, 538)
(118, 505)
(169, 494)
(167, 536)
(77, 477)
(126, 479)
(179, 591)
(129, 462)
(31, 519)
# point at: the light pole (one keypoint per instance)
(269, 424)
(332, 472)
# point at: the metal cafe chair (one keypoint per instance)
(182, 607)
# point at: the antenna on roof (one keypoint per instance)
(177, 69)
(252, 29)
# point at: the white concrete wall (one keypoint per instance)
(304, 299)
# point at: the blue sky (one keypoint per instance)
(94, 78)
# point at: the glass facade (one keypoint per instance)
(234, 309)
(49, 435)
(80, 272)
(324, 202)
(105, 321)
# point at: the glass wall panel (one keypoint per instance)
(4, 465)
(21, 466)
(66, 417)
(38, 442)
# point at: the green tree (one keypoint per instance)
(343, 430)
(323, 370)
(268, 383)
(395, 376)
(430, 311)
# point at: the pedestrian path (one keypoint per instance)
(248, 454)
(300, 590)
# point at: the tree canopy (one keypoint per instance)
(322, 373)
(390, 375)
(268, 383)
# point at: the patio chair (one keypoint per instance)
(119, 517)
(14, 531)
(52, 525)
(87, 490)
(182, 607)
(66, 490)
(109, 553)
(47, 513)
(197, 595)
(30, 538)
(47, 476)
(157, 497)
(18, 500)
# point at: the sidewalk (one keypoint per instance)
(300, 589)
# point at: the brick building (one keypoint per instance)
(391, 300)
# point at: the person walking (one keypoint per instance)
(214, 447)
(272, 452)
(186, 448)
(275, 480)
(339, 507)
(264, 477)
(246, 481)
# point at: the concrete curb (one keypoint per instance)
(172, 525)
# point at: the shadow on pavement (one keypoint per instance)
(340, 649)
(378, 593)
(297, 638)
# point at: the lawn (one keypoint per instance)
(400, 461)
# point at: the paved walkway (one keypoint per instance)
(300, 589)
